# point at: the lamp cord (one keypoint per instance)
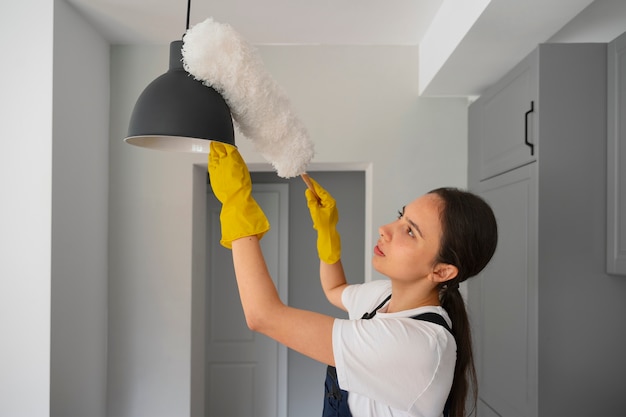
(188, 10)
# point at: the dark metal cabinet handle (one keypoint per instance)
(530, 145)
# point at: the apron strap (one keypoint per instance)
(437, 319)
(434, 318)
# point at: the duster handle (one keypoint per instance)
(307, 181)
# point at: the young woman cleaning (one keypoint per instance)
(405, 349)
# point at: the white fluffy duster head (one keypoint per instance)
(218, 56)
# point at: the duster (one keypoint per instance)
(215, 54)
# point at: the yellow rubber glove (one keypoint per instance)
(241, 215)
(325, 216)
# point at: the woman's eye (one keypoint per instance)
(409, 231)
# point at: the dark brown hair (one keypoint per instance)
(469, 239)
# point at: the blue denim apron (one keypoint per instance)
(336, 399)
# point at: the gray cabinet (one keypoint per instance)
(504, 122)
(548, 219)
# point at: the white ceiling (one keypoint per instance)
(328, 22)
(464, 44)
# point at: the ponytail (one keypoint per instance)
(464, 370)
(468, 242)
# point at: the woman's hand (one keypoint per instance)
(240, 216)
(325, 216)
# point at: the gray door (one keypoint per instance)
(306, 376)
(246, 371)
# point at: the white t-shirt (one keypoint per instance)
(392, 365)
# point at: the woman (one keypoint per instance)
(406, 348)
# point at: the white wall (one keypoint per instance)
(80, 162)
(54, 106)
(25, 181)
(149, 256)
(360, 105)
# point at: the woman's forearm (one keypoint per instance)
(333, 280)
(256, 289)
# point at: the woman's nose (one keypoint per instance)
(383, 231)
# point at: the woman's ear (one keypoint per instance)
(444, 272)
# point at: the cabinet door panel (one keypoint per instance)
(616, 158)
(506, 121)
(507, 327)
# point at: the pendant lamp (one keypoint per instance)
(178, 113)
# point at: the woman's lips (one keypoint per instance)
(378, 252)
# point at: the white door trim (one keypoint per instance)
(282, 281)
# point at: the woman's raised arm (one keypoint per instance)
(243, 224)
(325, 216)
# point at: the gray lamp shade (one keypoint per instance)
(178, 113)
